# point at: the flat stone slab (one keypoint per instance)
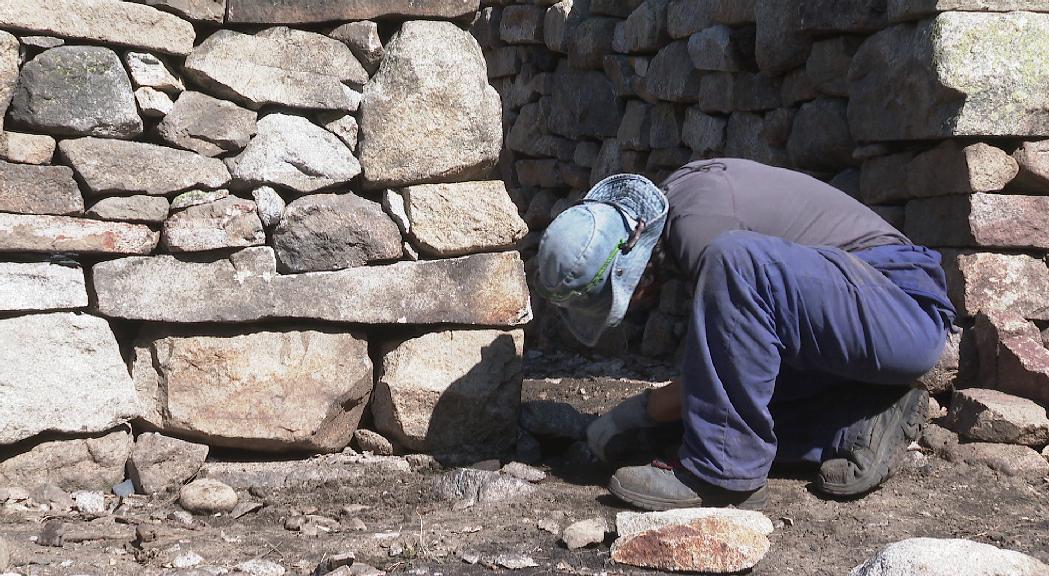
(207, 125)
(28, 189)
(485, 289)
(948, 557)
(993, 416)
(341, 469)
(103, 21)
(41, 286)
(629, 523)
(710, 545)
(457, 219)
(198, 10)
(34, 233)
(227, 223)
(141, 208)
(306, 11)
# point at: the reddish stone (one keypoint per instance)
(990, 329)
(35, 233)
(1023, 368)
(997, 282)
(998, 220)
(712, 545)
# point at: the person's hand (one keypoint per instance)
(630, 415)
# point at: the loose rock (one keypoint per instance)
(947, 557)
(524, 472)
(480, 486)
(207, 125)
(258, 567)
(630, 523)
(715, 545)
(153, 103)
(547, 418)
(585, 533)
(91, 503)
(206, 496)
(368, 441)
(269, 204)
(458, 219)
(158, 462)
(993, 416)
(227, 223)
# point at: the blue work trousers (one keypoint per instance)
(785, 337)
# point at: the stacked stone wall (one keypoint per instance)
(250, 224)
(933, 113)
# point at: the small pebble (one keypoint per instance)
(207, 496)
(90, 502)
(585, 533)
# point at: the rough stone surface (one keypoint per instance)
(992, 220)
(672, 76)
(269, 204)
(590, 42)
(196, 198)
(76, 91)
(820, 138)
(703, 133)
(95, 463)
(630, 523)
(211, 11)
(149, 71)
(645, 30)
(332, 232)
(104, 21)
(485, 289)
(26, 148)
(547, 418)
(456, 391)
(828, 64)
(996, 282)
(584, 533)
(199, 385)
(686, 17)
(362, 38)
(993, 416)
(227, 223)
(480, 486)
(959, 74)
(721, 48)
(159, 462)
(581, 104)
(292, 152)
(522, 24)
(278, 66)
(33, 233)
(28, 189)
(715, 545)
(61, 372)
(327, 469)
(345, 127)
(1023, 368)
(833, 16)
(41, 286)
(942, 377)
(207, 125)
(1007, 342)
(780, 43)
(281, 12)
(951, 169)
(147, 209)
(207, 496)
(429, 114)
(368, 441)
(947, 557)
(458, 219)
(10, 58)
(1033, 163)
(114, 166)
(153, 103)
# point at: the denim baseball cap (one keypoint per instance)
(593, 255)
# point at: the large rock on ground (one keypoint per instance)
(76, 91)
(201, 386)
(119, 167)
(458, 219)
(960, 74)
(283, 12)
(997, 282)
(41, 286)
(484, 289)
(712, 545)
(207, 496)
(278, 66)
(95, 463)
(33, 233)
(103, 21)
(429, 115)
(159, 462)
(28, 189)
(980, 220)
(452, 392)
(61, 372)
(993, 416)
(210, 11)
(292, 152)
(947, 557)
(332, 232)
(227, 223)
(207, 125)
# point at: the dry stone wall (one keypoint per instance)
(933, 113)
(228, 222)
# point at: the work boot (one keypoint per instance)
(872, 446)
(662, 486)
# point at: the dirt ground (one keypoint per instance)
(393, 522)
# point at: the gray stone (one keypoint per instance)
(665, 131)
(645, 30)
(368, 441)
(149, 71)
(627, 73)
(269, 205)
(617, 8)
(92, 463)
(196, 198)
(41, 286)
(581, 105)
(1007, 345)
(42, 42)
(996, 282)
(485, 289)
(704, 133)
(146, 209)
(160, 462)
(278, 66)
(153, 103)
(362, 38)
(198, 385)
(94, 21)
(26, 148)
(820, 139)
(991, 220)
(282, 12)
(834, 16)
(672, 76)
(207, 125)
(522, 24)
(952, 169)
(959, 74)
(345, 127)
(993, 416)
(451, 392)
(609, 161)
(944, 375)
(76, 91)
(780, 43)
(292, 152)
(228, 223)
(721, 48)
(36, 233)
(480, 486)
(457, 219)
(28, 189)
(209, 11)
(429, 114)
(630, 523)
(585, 533)
(114, 166)
(797, 87)
(635, 126)
(560, 22)
(687, 17)
(332, 232)
(883, 179)
(894, 215)
(947, 557)
(62, 372)
(207, 496)
(779, 124)
(523, 472)
(547, 418)
(745, 138)
(717, 92)
(828, 64)
(10, 58)
(902, 10)
(590, 42)
(754, 92)
(1033, 161)
(257, 567)
(529, 136)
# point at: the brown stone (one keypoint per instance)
(35, 233)
(996, 282)
(307, 11)
(227, 223)
(26, 148)
(980, 220)
(994, 416)
(28, 189)
(713, 545)
(1009, 459)
(951, 169)
(990, 329)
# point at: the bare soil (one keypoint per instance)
(405, 531)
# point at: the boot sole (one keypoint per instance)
(645, 502)
(910, 419)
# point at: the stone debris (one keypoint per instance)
(712, 544)
(457, 219)
(947, 557)
(52, 534)
(207, 496)
(524, 472)
(480, 487)
(159, 462)
(227, 223)
(993, 416)
(585, 533)
(316, 471)
(26, 148)
(207, 125)
(141, 208)
(511, 561)
(41, 286)
(92, 463)
(153, 103)
(89, 503)
(187, 560)
(259, 567)
(33, 233)
(368, 441)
